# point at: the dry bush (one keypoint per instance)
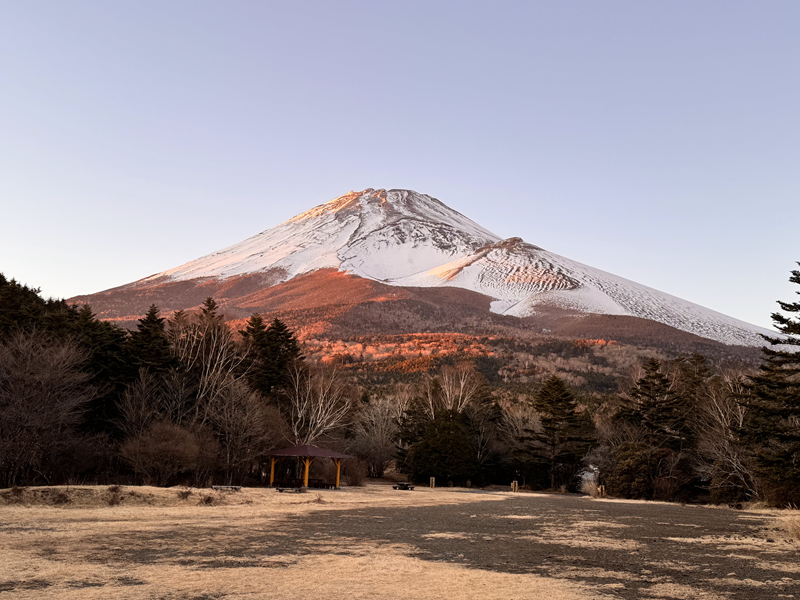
(209, 500)
(161, 452)
(590, 487)
(56, 497)
(114, 496)
(354, 472)
(184, 494)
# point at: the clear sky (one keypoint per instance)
(657, 141)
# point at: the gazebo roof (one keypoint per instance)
(308, 451)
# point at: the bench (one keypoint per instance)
(401, 485)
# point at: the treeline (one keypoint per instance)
(188, 400)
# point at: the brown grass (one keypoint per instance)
(792, 526)
(88, 549)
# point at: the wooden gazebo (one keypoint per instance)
(307, 454)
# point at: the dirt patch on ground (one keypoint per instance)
(377, 542)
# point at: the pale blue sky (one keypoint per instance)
(657, 141)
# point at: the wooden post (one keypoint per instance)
(433, 482)
(306, 464)
(515, 486)
(272, 460)
(338, 462)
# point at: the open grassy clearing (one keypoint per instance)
(376, 542)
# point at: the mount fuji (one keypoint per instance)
(383, 245)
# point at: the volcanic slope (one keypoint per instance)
(408, 240)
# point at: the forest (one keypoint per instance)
(190, 400)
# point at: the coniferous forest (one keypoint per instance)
(190, 400)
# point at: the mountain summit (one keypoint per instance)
(377, 234)
(408, 240)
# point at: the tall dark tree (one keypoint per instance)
(209, 314)
(564, 435)
(444, 451)
(149, 346)
(654, 404)
(22, 308)
(272, 351)
(772, 425)
(109, 363)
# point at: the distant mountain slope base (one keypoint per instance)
(430, 266)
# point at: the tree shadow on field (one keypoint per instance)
(625, 550)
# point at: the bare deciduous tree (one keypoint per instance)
(139, 405)
(454, 388)
(376, 428)
(459, 386)
(205, 346)
(317, 403)
(43, 390)
(717, 417)
(245, 427)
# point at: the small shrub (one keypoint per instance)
(184, 494)
(209, 500)
(16, 495)
(60, 497)
(354, 472)
(114, 496)
(590, 487)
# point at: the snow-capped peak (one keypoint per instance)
(378, 234)
(404, 238)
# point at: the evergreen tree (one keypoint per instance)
(208, 313)
(656, 406)
(564, 435)
(24, 309)
(658, 462)
(109, 364)
(149, 346)
(443, 452)
(772, 425)
(272, 351)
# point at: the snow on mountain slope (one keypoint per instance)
(520, 276)
(377, 234)
(404, 238)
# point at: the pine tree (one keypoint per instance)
(443, 451)
(565, 434)
(653, 404)
(273, 350)
(208, 312)
(772, 426)
(109, 363)
(149, 346)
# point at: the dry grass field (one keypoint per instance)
(375, 542)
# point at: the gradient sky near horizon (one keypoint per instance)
(657, 141)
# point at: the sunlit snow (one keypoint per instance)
(403, 238)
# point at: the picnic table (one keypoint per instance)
(403, 485)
